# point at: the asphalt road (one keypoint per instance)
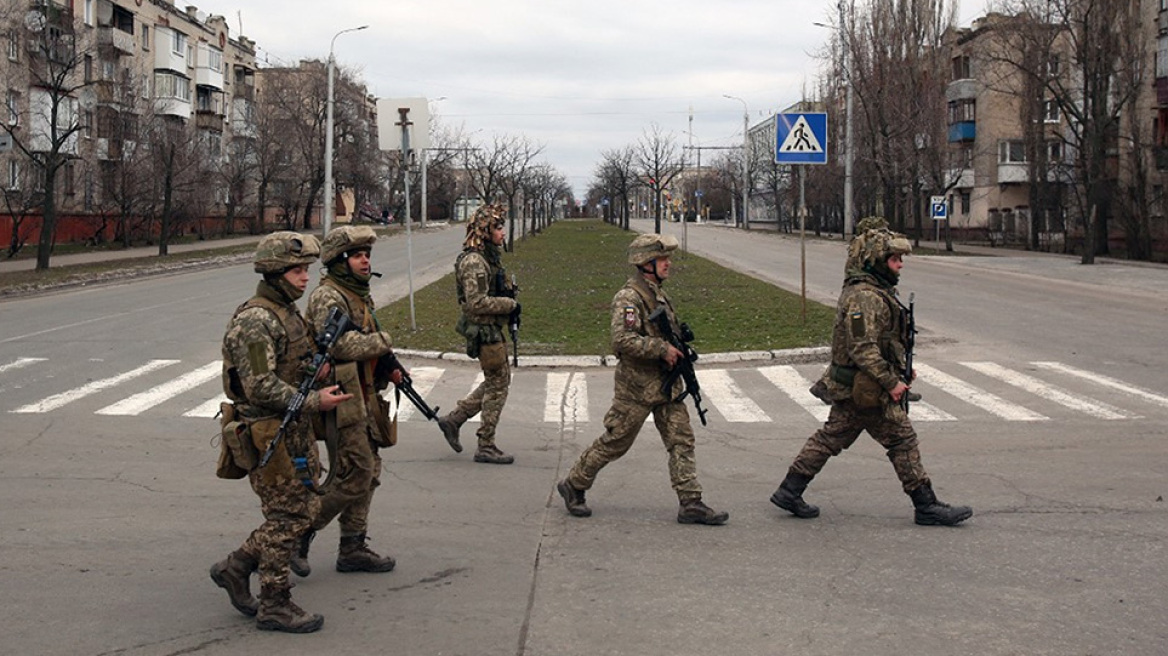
(112, 514)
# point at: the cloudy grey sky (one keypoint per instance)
(578, 76)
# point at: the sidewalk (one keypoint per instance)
(92, 257)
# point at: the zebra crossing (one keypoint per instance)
(954, 391)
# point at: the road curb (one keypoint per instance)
(784, 356)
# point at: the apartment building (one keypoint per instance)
(120, 64)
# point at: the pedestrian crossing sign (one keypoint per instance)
(801, 138)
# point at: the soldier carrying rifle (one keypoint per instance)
(866, 383)
(647, 359)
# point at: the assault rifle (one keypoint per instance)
(684, 367)
(910, 340)
(389, 363)
(514, 319)
(336, 325)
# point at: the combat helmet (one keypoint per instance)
(648, 247)
(863, 226)
(343, 240)
(484, 219)
(283, 250)
(877, 245)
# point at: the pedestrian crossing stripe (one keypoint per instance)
(732, 393)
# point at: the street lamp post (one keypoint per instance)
(849, 151)
(329, 201)
(745, 161)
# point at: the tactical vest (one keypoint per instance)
(360, 314)
(495, 277)
(289, 363)
(891, 340)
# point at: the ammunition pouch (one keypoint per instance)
(867, 392)
(280, 468)
(477, 334)
(493, 356)
(237, 454)
(353, 411)
(842, 374)
(384, 434)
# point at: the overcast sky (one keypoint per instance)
(578, 76)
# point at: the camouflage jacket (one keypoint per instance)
(868, 334)
(480, 295)
(368, 344)
(265, 351)
(638, 343)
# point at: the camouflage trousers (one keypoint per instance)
(491, 395)
(356, 475)
(622, 423)
(288, 509)
(889, 426)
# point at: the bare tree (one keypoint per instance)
(617, 174)
(48, 129)
(658, 161)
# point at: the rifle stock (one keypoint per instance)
(910, 340)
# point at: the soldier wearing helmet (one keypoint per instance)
(645, 358)
(866, 381)
(359, 427)
(486, 300)
(265, 349)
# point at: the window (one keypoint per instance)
(1054, 152)
(145, 37)
(13, 175)
(169, 85)
(87, 126)
(1050, 111)
(88, 68)
(1161, 56)
(13, 103)
(1052, 66)
(961, 67)
(89, 12)
(178, 43)
(13, 46)
(962, 157)
(70, 187)
(965, 202)
(1011, 152)
(962, 111)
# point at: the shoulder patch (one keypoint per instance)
(858, 324)
(630, 317)
(257, 356)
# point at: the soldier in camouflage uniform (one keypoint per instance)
(353, 431)
(645, 358)
(865, 383)
(487, 301)
(266, 347)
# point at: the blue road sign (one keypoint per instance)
(940, 208)
(801, 138)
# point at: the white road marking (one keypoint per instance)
(793, 384)
(1106, 381)
(20, 363)
(208, 408)
(135, 404)
(424, 378)
(723, 393)
(1050, 392)
(976, 396)
(57, 400)
(478, 381)
(566, 399)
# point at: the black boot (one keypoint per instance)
(931, 512)
(789, 496)
(573, 499)
(299, 563)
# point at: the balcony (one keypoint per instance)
(966, 89)
(1013, 173)
(961, 178)
(964, 131)
(119, 41)
(209, 121)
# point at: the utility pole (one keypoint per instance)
(404, 122)
(849, 150)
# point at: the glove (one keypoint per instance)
(513, 319)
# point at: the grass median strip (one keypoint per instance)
(567, 277)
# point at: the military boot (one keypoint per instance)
(931, 512)
(694, 511)
(278, 613)
(913, 397)
(819, 391)
(490, 453)
(573, 499)
(449, 424)
(299, 563)
(356, 556)
(233, 574)
(789, 496)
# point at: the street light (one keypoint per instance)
(329, 201)
(745, 160)
(849, 151)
